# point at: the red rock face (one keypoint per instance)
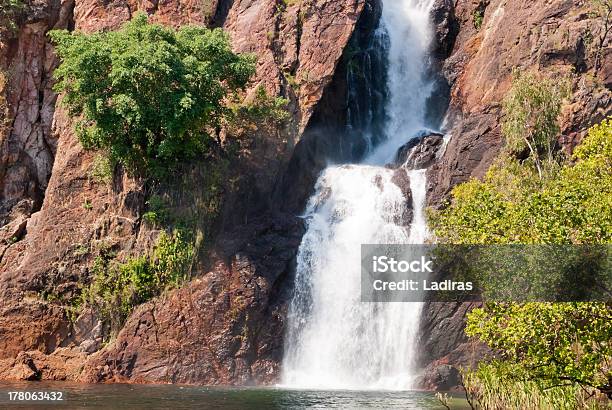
(289, 42)
(224, 328)
(531, 35)
(27, 145)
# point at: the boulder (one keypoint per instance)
(420, 152)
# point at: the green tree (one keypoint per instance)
(531, 111)
(148, 94)
(512, 205)
(556, 343)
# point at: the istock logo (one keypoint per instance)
(384, 264)
(496, 273)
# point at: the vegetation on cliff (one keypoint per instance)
(149, 95)
(512, 205)
(117, 288)
(155, 100)
(554, 355)
(10, 10)
(531, 108)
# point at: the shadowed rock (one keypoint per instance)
(420, 152)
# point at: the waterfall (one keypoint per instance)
(333, 339)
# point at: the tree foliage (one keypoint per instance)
(554, 343)
(531, 112)
(148, 94)
(261, 110)
(512, 205)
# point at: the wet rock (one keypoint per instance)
(62, 364)
(24, 368)
(443, 345)
(468, 153)
(351, 104)
(420, 152)
(402, 180)
(88, 332)
(442, 378)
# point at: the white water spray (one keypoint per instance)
(334, 340)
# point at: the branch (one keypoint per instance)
(467, 396)
(535, 156)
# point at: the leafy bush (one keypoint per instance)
(477, 18)
(262, 109)
(512, 206)
(117, 288)
(555, 344)
(157, 213)
(551, 343)
(102, 169)
(150, 95)
(531, 112)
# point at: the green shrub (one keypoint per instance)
(531, 111)
(291, 81)
(551, 343)
(512, 205)
(157, 212)
(261, 110)
(477, 18)
(117, 288)
(150, 95)
(102, 169)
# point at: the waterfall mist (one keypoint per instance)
(333, 339)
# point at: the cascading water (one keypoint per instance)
(334, 340)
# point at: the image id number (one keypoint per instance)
(35, 396)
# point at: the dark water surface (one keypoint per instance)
(123, 396)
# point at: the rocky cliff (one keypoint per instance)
(226, 326)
